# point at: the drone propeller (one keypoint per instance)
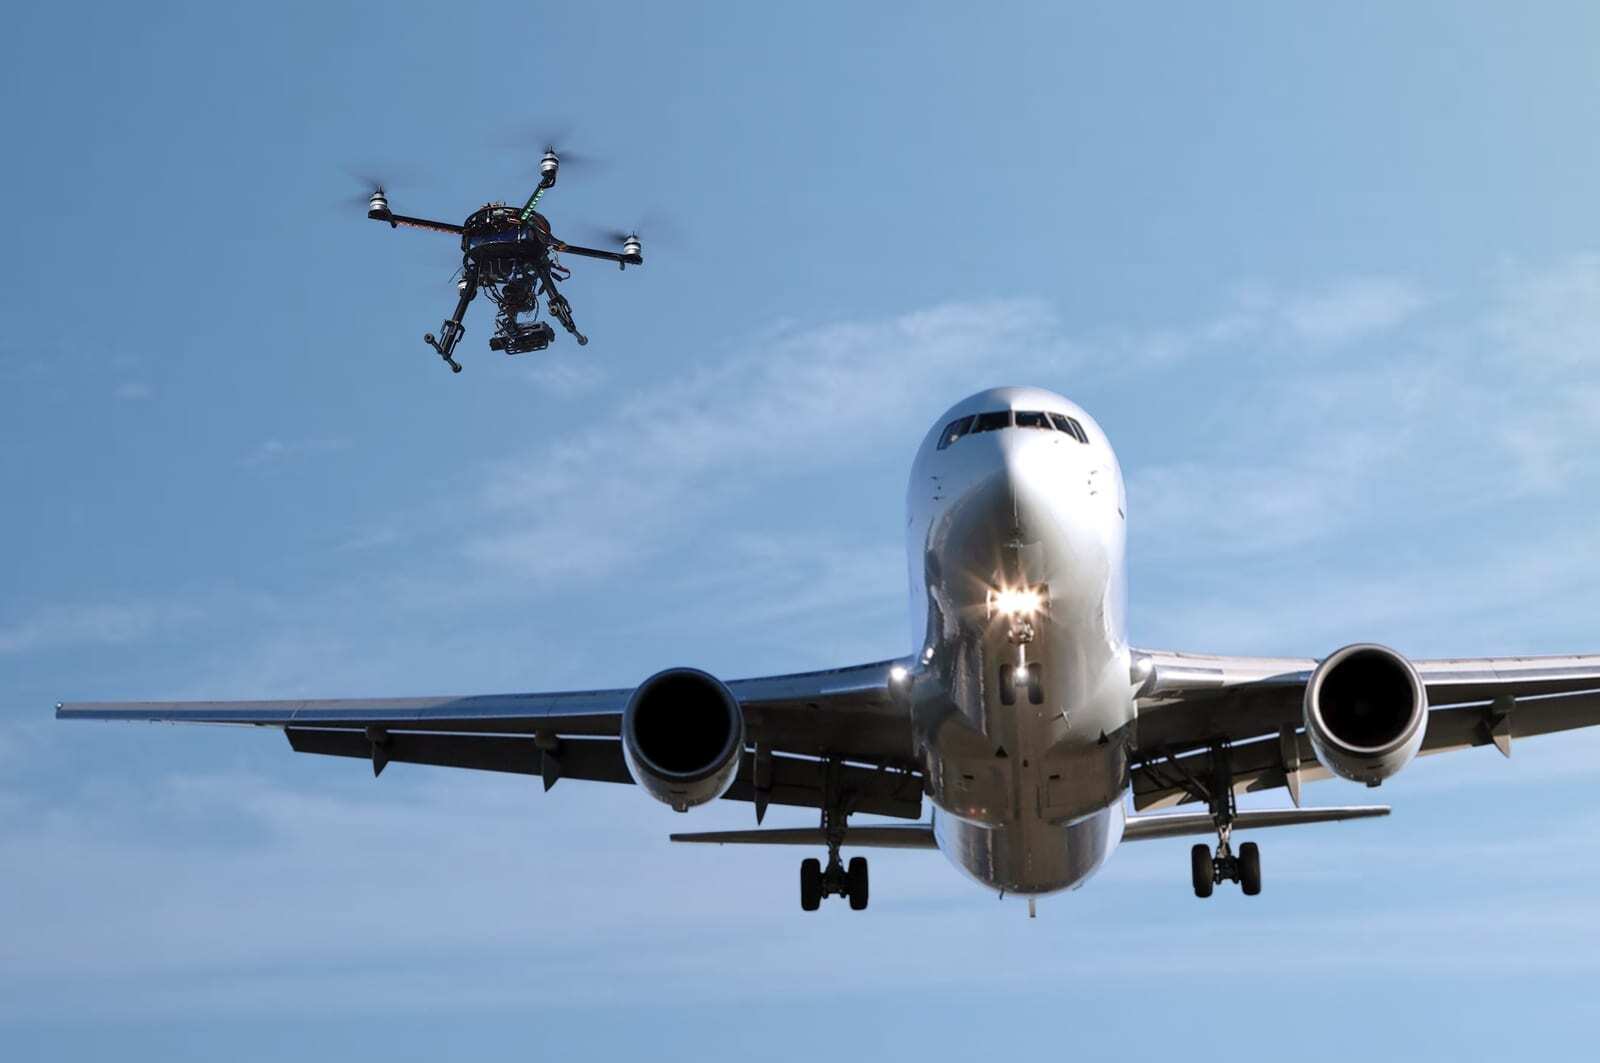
(370, 184)
(362, 198)
(659, 230)
(556, 140)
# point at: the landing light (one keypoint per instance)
(1017, 602)
(898, 674)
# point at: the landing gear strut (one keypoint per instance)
(1208, 868)
(838, 879)
(452, 330)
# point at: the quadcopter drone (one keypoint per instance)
(510, 253)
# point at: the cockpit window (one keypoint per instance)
(988, 422)
(1032, 419)
(954, 431)
(1070, 426)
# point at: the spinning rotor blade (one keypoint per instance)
(540, 139)
(367, 179)
(653, 229)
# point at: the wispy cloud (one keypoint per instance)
(1425, 420)
(1352, 309)
(110, 623)
(564, 378)
(604, 498)
(272, 451)
(133, 391)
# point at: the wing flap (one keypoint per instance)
(876, 836)
(1164, 781)
(794, 781)
(594, 759)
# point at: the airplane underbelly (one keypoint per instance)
(1031, 856)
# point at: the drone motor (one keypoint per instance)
(378, 205)
(548, 166)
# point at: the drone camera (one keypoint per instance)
(517, 338)
(378, 205)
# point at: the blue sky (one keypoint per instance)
(1330, 280)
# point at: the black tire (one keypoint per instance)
(856, 876)
(1250, 869)
(810, 884)
(1008, 685)
(1202, 869)
(1035, 684)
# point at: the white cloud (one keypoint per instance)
(271, 451)
(602, 499)
(1548, 320)
(563, 378)
(1351, 309)
(109, 623)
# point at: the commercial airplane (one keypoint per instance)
(1023, 715)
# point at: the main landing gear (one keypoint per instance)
(838, 879)
(1207, 868)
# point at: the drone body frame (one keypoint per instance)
(510, 254)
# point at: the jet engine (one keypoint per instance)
(682, 736)
(1366, 711)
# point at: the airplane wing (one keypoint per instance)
(1189, 703)
(792, 723)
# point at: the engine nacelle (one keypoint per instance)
(1366, 712)
(682, 736)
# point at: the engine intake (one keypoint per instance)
(682, 736)
(1366, 712)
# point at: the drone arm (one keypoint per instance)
(593, 252)
(415, 223)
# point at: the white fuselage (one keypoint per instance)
(1027, 768)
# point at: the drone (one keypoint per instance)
(510, 253)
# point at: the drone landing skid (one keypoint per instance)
(452, 330)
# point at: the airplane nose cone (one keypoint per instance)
(1041, 474)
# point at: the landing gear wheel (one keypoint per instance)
(1250, 869)
(1036, 684)
(856, 883)
(810, 884)
(1008, 684)
(1204, 872)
